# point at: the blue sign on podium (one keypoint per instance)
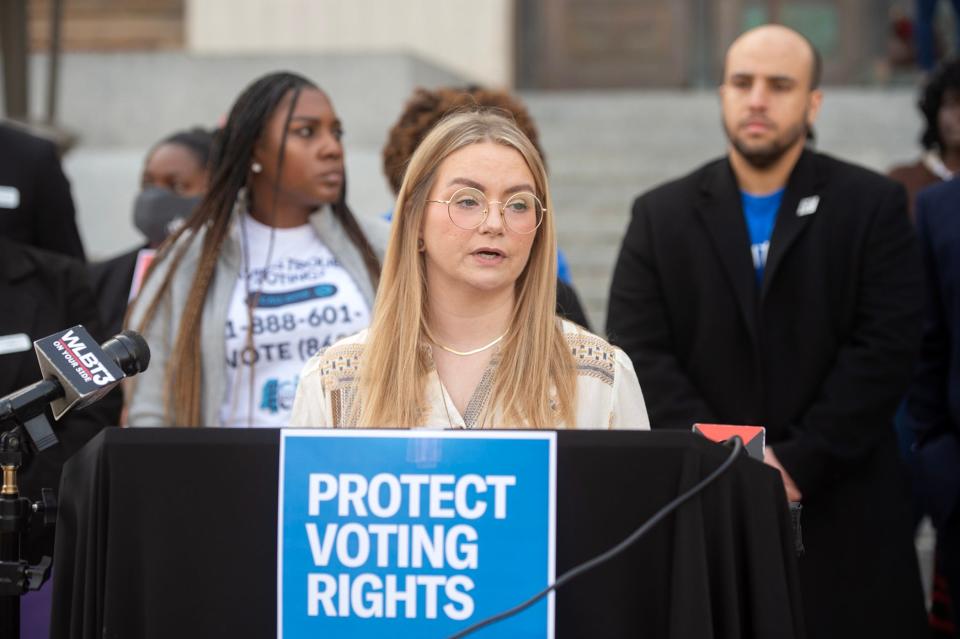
(414, 533)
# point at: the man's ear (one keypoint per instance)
(813, 110)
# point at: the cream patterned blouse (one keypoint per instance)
(608, 393)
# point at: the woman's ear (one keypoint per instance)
(258, 153)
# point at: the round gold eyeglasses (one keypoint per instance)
(468, 207)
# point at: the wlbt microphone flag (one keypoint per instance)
(84, 370)
(76, 372)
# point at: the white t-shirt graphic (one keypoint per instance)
(301, 302)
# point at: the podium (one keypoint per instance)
(173, 533)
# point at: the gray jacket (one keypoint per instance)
(146, 406)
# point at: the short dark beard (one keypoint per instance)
(763, 158)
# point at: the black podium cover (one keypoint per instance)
(173, 533)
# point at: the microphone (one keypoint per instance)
(129, 351)
(76, 373)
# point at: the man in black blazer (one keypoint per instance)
(781, 287)
(41, 293)
(933, 403)
(35, 203)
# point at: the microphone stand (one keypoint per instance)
(16, 575)
(24, 430)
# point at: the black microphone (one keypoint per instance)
(76, 372)
(130, 352)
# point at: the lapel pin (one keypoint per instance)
(808, 205)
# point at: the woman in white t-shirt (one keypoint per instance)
(464, 333)
(271, 268)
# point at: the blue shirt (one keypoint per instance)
(760, 212)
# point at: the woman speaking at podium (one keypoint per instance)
(464, 333)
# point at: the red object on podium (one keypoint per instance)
(753, 436)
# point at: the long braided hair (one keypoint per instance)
(229, 167)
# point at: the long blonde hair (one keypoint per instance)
(534, 357)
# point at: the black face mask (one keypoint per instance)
(158, 212)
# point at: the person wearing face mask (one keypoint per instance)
(175, 177)
(270, 268)
(464, 331)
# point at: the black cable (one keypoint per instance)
(612, 552)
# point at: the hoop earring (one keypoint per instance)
(256, 167)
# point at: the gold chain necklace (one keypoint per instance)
(474, 351)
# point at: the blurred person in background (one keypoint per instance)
(464, 331)
(427, 107)
(45, 292)
(940, 161)
(782, 287)
(36, 207)
(271, 267)
(940, 105)
(925, 36)
(933, 403)
(175, 177)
